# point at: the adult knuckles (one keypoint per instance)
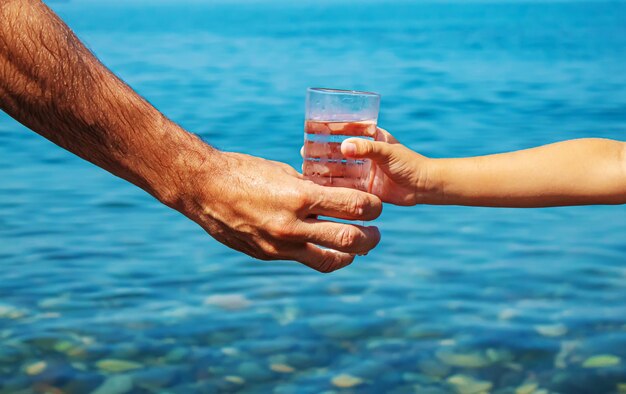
(370, 205)
(348, 237)
(364, 206)
(328, 263)
(269, 251)
(281, 228)
(357, 204)
(301, 198)
(335, 262)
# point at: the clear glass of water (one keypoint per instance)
(332, 116)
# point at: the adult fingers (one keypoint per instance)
(343, 237)
(322, 260)
(341, 203)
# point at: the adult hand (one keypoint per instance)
(267, 210)
(51, 83)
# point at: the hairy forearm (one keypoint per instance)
(52, 84)
(576, 172)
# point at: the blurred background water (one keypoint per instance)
(102, 289)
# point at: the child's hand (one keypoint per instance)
(401, 175)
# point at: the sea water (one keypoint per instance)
(93, 269)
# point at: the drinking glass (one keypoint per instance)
(332, 116)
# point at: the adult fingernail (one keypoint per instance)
(348, 148)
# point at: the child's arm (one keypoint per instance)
(575, 172)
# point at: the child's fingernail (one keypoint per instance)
(349, 148)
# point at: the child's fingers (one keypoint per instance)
(360, 148)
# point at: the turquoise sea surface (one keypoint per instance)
(104, 290)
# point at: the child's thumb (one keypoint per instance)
(362, 148)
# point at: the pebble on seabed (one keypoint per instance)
(282, 368)
(463, 360)
(508, 314)
(526, 388)
(177, 354)
(118, 384)
(79, 366)
(601, 361)
(433, 368)
(36, 368)
(346, 381)
(229, 351)
(464, 384)
(10, 312)
(234, 379)
(553, 330)
(114, 365)
(231, 302)
(63, 346)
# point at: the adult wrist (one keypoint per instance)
(183, 169)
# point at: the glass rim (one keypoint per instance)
(342, 91)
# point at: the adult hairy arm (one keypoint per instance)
(50, 82)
